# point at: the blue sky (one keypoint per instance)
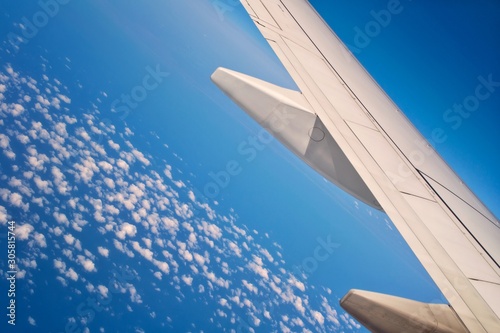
(427, 59)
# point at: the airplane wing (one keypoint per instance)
(344, 126)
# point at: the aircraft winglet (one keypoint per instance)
(287, 115)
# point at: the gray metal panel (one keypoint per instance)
(486, 230)
(490, 292)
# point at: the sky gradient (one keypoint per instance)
(131, 81)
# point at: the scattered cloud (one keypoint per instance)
(90, 195)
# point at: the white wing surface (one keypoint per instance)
(345, 126)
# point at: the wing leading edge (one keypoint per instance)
(348, 129)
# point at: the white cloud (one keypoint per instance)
(103, 290)
(199, 259)
(69, 120)
(103, 251)
(113, 145)
(126, 229)
(168, 172)
(187, 280)
(61, 129)
(171, 224)
(40, 239)
(59, 180)
(57, 231)
(98, 216)
(64, 98)
(16, 109)
(62, 280)
(69, 239)
(140, 157)
(23, 231)
(267, 254)
(138, 192)
(122, 164)
(111, 209)
(61, 267)
(16, 199)
(186, 255)
(179, 183)
(24, 139)
(259, 270)
(4, 141)
(318, 317)
(297, 284)
(56, 103)
(331, 314)
(163, 266)
(109, 182)
(105, 166)
(3, 215)
(36, 163)
(147, 241)
(134, 296)
(87, 264)
(235, 248)
(299, 305)
(61, 218)
(146, 253)
(43, 185)
(87, 169)
(83, 134)
(72, 274)
(250, 286)
(211, 230)
(43, 101)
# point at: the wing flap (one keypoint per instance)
(259, 11)
(484, 229)
(389, 161)
(454, 240)
(490, 292)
